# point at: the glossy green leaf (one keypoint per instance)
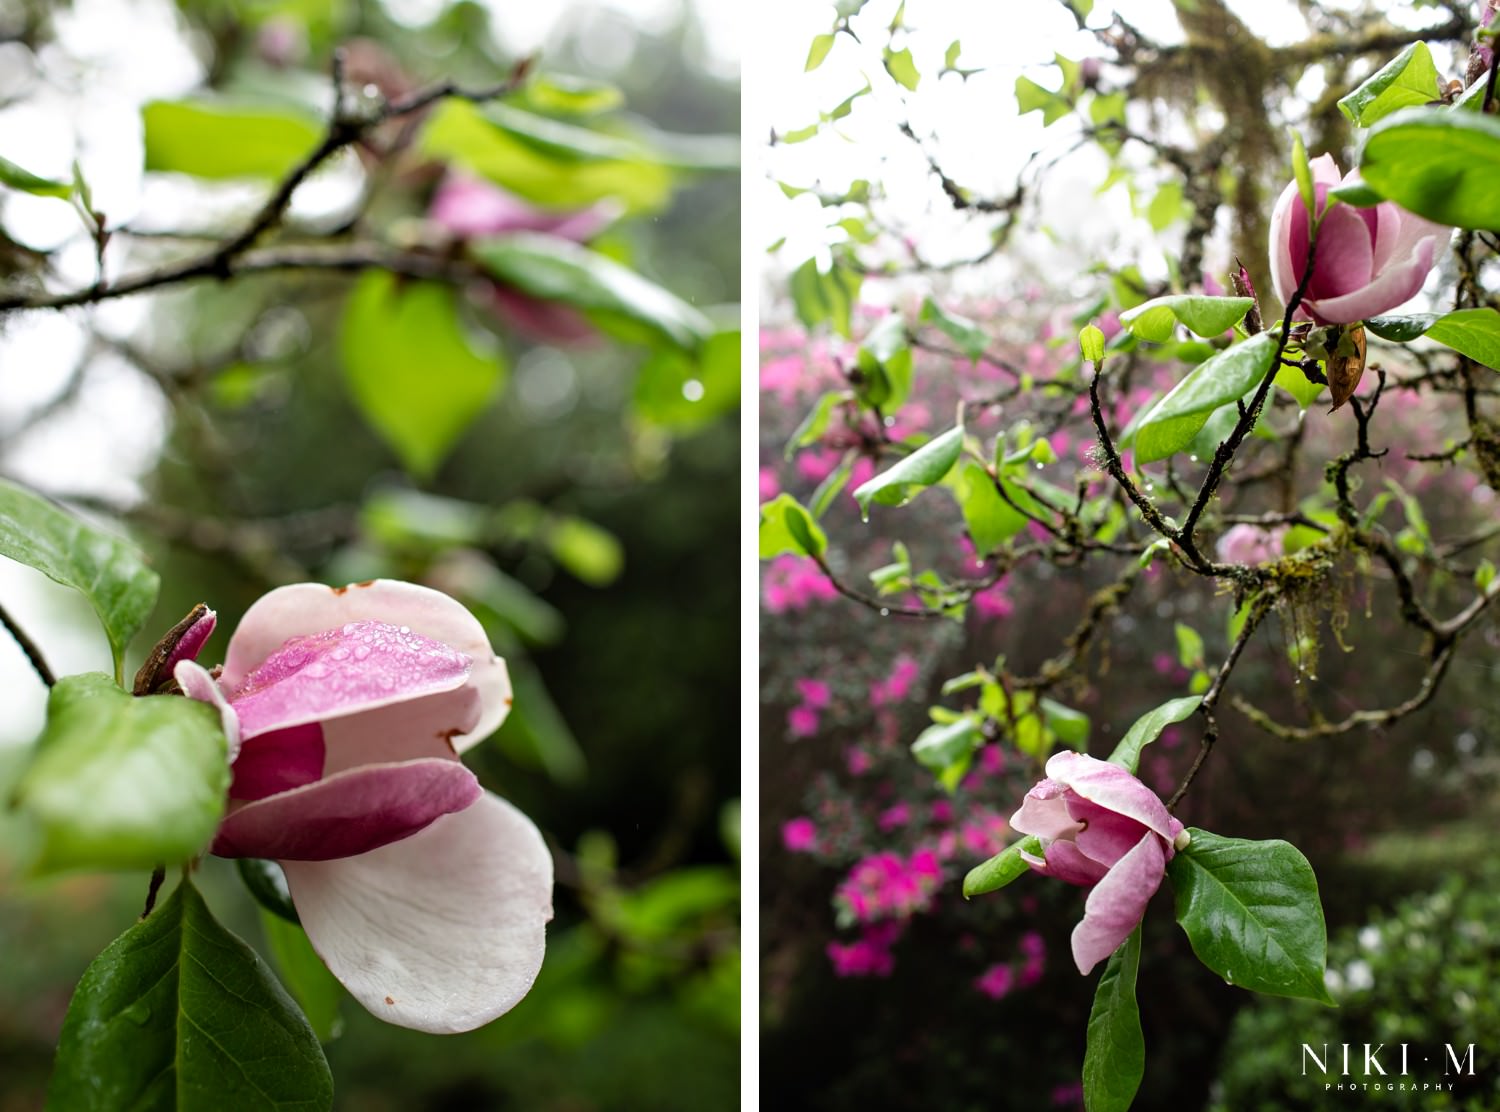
(785, 526)
(179, 1015)
(1437, 163)
(825, 297)
(1004, 867)
(1091, 343)
(970, 338)
(899, 484)
(1298, 385)
(945, 744)
(1070, 726)
(815, 423)
(613, 296)
(1401, 328)
(1171, 423)
(18, 177)
(226, 140)
(885, 363)
(1115, 1059)
(548, 163)
(678, 392)
(817, 51)
(266, 883)
(316, 990)
(990, 520)
(1252, 913)
(900, 65)
(1206, 316)
(1148, 727)
(1408, 79)
(117, 782)
(412, 369)
(1471, 332)
(106, 570)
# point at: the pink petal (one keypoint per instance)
(1399, 232)
(1344, 255)
(191, 642)
(1117, 903)
(357, 667)
(1112, 788)
(278, 761)
(1286, 269)
(469, 206)
(441, 932)
(1066, 862)
(349, 813)
(1398, 284)
(304, 608)
(1106, 836)
(400, 732)
(1044, 812)
(196, 683)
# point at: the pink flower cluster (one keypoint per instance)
(794, 583)
(897, 686)
(1251, 544)
(888, 886)
(870, 954)
(802, 720)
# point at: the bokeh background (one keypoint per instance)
(586, 514)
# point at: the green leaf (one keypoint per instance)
(1402, 328)
(885, 363)
(1004, 867)
(815, 424)
(19, 178)
(589, 553)
(899, 64)
(970, 338)
(785, 526)
(107, 571)
(1298, 385)
(225, 140)
(950, 56)
(116, 782)
(1091, 344)
(825, 297)
(897, 485)
(412, 369)
(1471, 332)
(549, 163)
(1252, 914)
(1171, 423)
(1437, 163)
(677, 392)
(1355, 192)
(1115, 1060)
(1206, 316)
(991, 520)
(1189, 646)
(941, 746)
(307, 978)
(1302, 172)
(178, 1014)
(1148, 727)
(821, 45)
(565, 95)
(1408, 79)
(1032, 97)
(1071, 726)
(613, 296)
(266, 883)
(1167, 206)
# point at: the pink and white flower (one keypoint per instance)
(347, 709)
(1367, 260)
(1104, 830)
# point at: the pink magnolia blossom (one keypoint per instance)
(346, 710)
(815, 693)
(1367, 261)
(1251, 544)
(800, 835)
(1104, 830)
(802, 721)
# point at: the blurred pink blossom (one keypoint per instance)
(893, 817)
(802, 721)
(996, 982)
(799, 835)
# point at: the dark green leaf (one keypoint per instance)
(216, 141)
(1408, 79)
(1400, 329)
(179, 1015)
(1003, 868)
(612, 295)
(1206, 316)
(1172, 423)
(897, 485)
(307, 978)
(1148, 727)
(1472, 332)
(1252, 914)
(1115, 1060)
(18, 178)
(117, 782)
(108, 572)
(785, 526)
(265, 881)
(412, 369)
(1437, 163)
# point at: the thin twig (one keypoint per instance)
(29, 647)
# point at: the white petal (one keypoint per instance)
(304, 608)
(442, 931)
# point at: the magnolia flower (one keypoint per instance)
(471, 208)
(1367, 261)
(346, 710)
(1251, 544)
(1104, 830)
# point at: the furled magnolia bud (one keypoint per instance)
(1182, 841)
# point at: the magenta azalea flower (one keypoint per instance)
(346, 710)
(1104, 830)
(1367, 261)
